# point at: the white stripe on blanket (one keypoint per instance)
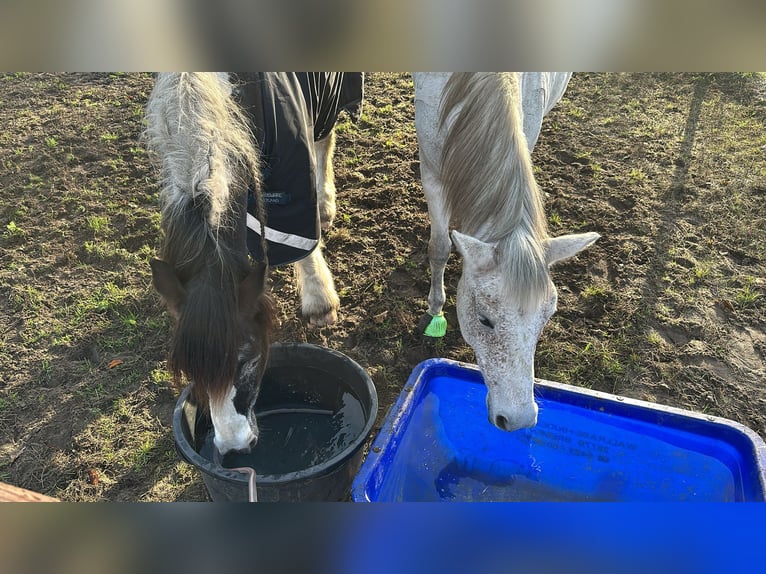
(276, 236)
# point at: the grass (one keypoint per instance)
(637, 175)
(747, 297)
(34, 182)
(700, 272)
(597, 364)
(160, 376)
(14, 230)
(9, 400)
(654, 339)
(78, 297)
(595, 292)
(576, 112)
(98, 224)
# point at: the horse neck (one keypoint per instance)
(489, 183)
(486, 168)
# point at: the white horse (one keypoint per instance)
(476, 133)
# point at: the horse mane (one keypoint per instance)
(207, 151)
(208, 158)
(489, 186)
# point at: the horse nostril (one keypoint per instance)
(501, 422)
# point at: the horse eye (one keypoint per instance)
(486, 322)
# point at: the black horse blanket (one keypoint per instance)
(290, 111)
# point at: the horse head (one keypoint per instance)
(502, 325)
(221, 339)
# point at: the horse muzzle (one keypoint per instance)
(511, 419)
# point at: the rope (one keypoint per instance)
(252, 491)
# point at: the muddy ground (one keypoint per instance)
(669, 306)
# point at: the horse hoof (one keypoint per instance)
(326, 217)
(323, 320)
(433, 326)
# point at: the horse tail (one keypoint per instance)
(208, 153)
(486, 170)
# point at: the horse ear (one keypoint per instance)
(476, 253)
(252, 286)
(167, 285)
(566, 246)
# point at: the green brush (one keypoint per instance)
(437, 327)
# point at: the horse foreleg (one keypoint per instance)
(319, 301)
(434, 324)
(324, 150)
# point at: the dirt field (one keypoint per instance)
(669, 306)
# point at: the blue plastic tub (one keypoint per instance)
(436, 444)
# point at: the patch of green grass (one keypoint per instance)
(34, 182)
(598, 363)
(352, 160)
(576, 112)
(160, 376)
(64, 340)
(14, 230)
(637, 175)
(747, 297)
(392, 143)
(98, 224)
(51, 142)
(594, 292)
(700, 272)
(109, 137)
(28, 298)
(143, 453)
(92, 391)
(344, 127)
(603, 358)
(124, 334)
(108, 298)
(386, 110)
(654, 339)
(46, 371)
(109, 252)
(129, 320)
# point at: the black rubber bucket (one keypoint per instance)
(298, 374)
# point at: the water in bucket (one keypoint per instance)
(296, 437)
